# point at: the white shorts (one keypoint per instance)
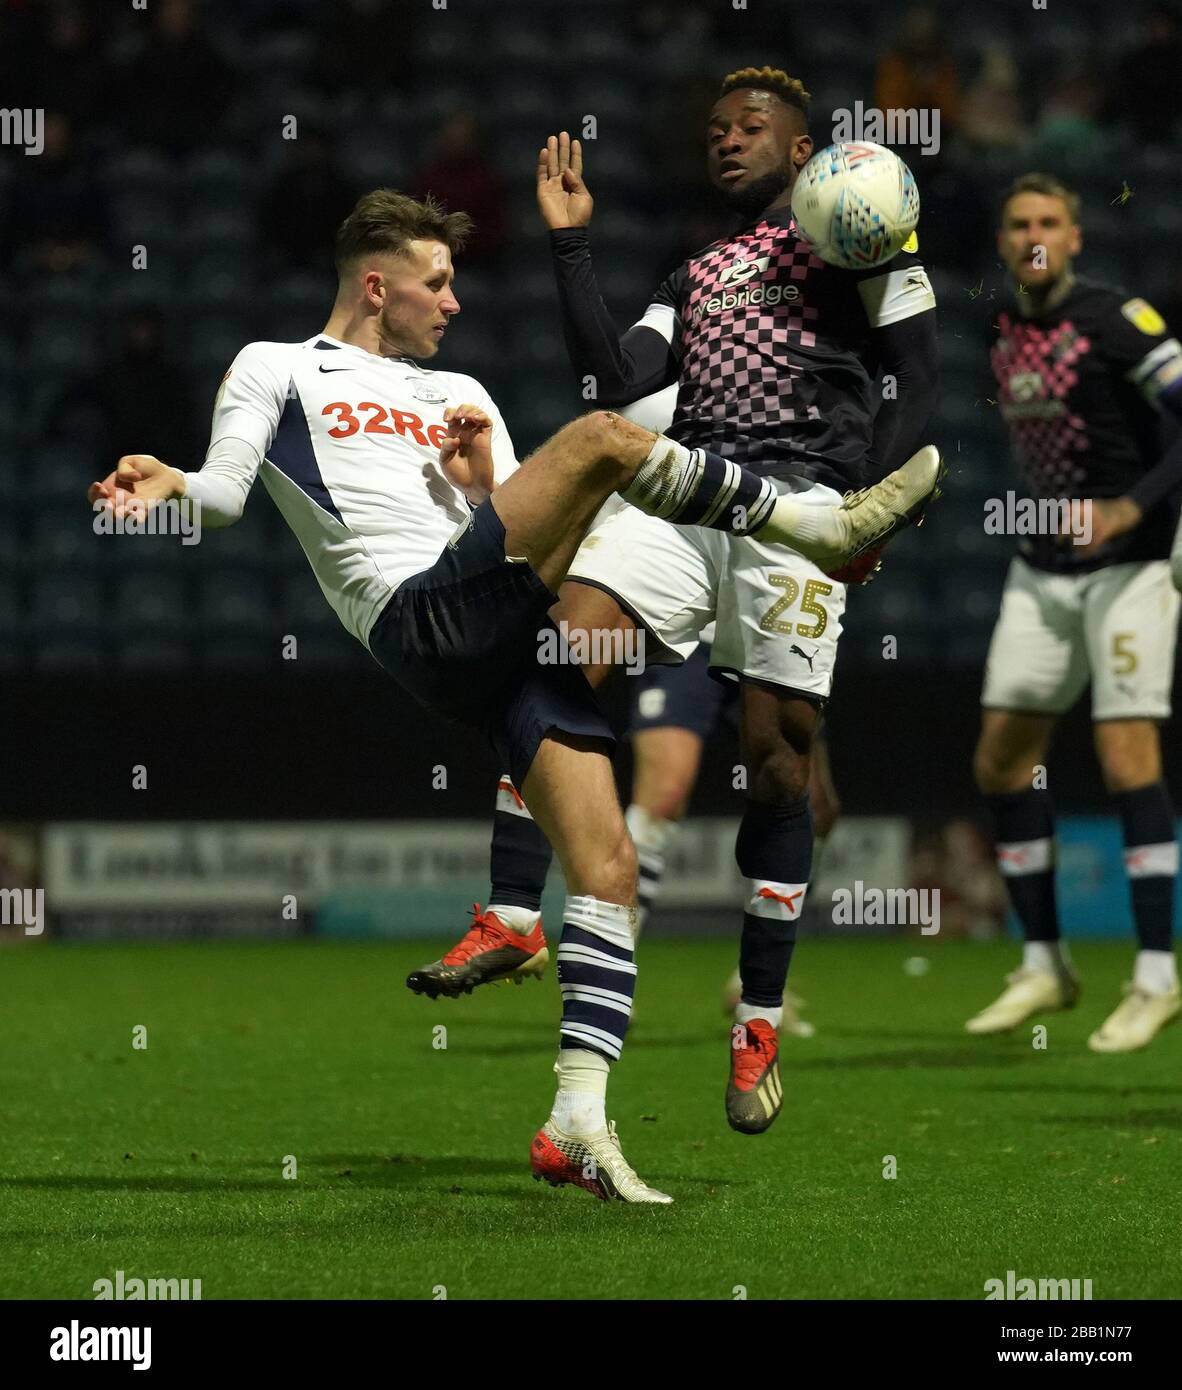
(1115, 627)
(778, 617)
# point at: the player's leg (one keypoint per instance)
(779, 620)
(571, 791)
(549, 503)
(1132, 617)
(826, 810)
(1036, 669)
(673, 710)
(505, 940)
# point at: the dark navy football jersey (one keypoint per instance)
(1077, 388)
(775, 354)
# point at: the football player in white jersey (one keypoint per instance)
(385, 471)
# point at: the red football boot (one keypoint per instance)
(489, 953)
(754, 1093)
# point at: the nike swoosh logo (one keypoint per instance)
(334, 369)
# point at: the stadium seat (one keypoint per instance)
(66, 604)
(236, 605)
(71, 654)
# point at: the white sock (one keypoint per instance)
(803, 526)
(582, 1088)
(1049, 956)
(1156, 972)
(746, 1012)
(518, 919)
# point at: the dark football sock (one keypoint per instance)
(1024, 829)
(520, 855)
(1151, 862)
(774, 852)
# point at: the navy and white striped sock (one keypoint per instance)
(596, 974)
(695, 488)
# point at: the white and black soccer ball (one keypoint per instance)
(856, 204)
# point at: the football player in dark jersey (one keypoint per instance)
(775, 355)
(1083, 374)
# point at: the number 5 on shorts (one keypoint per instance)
(1121, 643)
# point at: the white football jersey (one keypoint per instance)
(348, 446)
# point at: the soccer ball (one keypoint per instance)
(856, 204)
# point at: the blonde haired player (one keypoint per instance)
(1083, 371)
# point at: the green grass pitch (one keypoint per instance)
(412, 1159)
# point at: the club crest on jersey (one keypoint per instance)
(1144, 316)
(428, 391)
(740, 271)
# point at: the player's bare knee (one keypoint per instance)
(613, 443)
(778, 774)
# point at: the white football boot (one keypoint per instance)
(594, 1162)
(1027, 992)
(833, 536)
(1136, 1020)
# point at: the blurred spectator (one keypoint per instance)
(78, 77)
(1068, 130)
(368, 46)
(57, 211)
(176, 91)
(919, 70)
(1146, 88)
(991, 115)
(143, 396)
(305, 203)
(459, 173)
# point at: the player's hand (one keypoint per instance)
(138, 483)
(1110, 518)
(465, 456)
(563, 199)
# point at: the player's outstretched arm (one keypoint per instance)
(138, 480)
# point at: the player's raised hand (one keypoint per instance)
(465, 456)
(563, 198)
(139, 481)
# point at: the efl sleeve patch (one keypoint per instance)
(1141, 314)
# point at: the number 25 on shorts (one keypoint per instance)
(813, 589)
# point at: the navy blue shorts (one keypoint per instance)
(680, 697)
(463, 638)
